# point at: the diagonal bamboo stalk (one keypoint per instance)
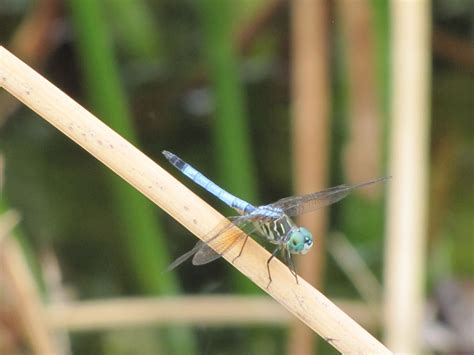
(305, 302)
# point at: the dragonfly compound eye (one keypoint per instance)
(307, 240)
(300, 241)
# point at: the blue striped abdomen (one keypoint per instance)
(229, 199)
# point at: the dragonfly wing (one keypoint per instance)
(296, 205)
(203, 254)
(186, 256)
(224, 241)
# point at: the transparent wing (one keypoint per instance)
(219, 239)
(185, 256)
(225, 241)
(296, 205)
(205, 255)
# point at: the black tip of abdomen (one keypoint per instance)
(174, 159)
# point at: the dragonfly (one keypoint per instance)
(272, 222)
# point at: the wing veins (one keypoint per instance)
(295, 205)
(204, 250)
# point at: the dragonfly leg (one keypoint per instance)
(277, 249)
(241, 249)
(291, 266)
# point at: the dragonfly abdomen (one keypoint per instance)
(229, 199)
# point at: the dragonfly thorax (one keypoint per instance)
(268, 212)
(300, 240)
(278, 228)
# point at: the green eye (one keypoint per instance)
(300, 241)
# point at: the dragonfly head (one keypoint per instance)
(300, 241)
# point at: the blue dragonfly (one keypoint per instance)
(271, 222)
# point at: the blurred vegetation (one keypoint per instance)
(169, 75)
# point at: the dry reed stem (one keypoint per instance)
(362, 152)
(216, 310)
(408, 163)
(22, 289)
(310, 139)
(123, 158)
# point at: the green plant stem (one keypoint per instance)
(231, 134)
(142, 237)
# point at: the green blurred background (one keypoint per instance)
(179, 75)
